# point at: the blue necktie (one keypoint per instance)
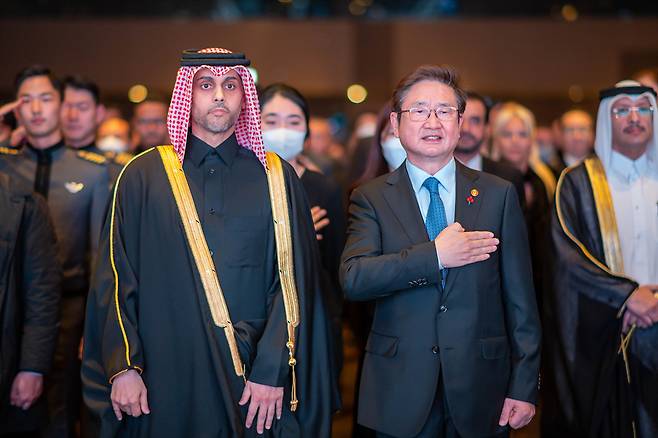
(435, 221)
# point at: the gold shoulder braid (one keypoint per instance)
(283, 236)
(122, 158)
(92, 157)
(4, 150)
(197, 242)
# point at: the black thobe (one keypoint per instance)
(169, 333)
(586, 392)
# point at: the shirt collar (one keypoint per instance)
(445, 175)
(54, 151)
(627, 169)
(198, 150)
(475, 163)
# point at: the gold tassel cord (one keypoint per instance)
(283, 237)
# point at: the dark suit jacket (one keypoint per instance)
(508, 173)
(482, 333)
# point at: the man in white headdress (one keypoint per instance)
(602, 377)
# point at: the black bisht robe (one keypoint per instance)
(585, 387)
(192, 387)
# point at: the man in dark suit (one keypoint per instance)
(454, 346)
(577, 140)
(473, 133)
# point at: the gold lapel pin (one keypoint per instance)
(474, 192)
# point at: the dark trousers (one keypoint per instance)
(63, 387)
(439, 421)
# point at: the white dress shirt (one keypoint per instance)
(447, 189)
(475, 163)
(634, 189)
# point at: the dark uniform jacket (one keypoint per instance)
(29, 294)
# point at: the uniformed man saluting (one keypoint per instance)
(76, 185)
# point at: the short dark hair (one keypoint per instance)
(444, 75)
(33, 71)
(470, 95)
(78, 82)
(290, 93)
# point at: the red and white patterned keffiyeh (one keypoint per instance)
(247, 129)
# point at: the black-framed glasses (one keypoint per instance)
(420, 114)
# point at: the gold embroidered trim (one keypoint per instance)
(284, 252)
(625, 341)
(136, 368)
(112, 263)
(202, 258)
(605, 210)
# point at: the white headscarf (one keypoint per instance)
(603, 142)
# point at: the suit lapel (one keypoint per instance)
(400, 197)
(466, 188)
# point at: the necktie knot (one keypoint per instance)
(431, 184)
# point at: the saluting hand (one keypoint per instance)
(9, 107)
(457, 247)
(516, 413)
(266, 400)
(129, 395)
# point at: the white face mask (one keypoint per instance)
(111, 143)
(393, 152)
(287, 143)
(366, 130)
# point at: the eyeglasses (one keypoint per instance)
(443, 113)
(625, 111)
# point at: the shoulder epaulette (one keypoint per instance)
(92, 157)
(123, 158)
(4, 150)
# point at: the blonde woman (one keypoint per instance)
(513, 141)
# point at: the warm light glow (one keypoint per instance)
(569, 12)
(357, 8)
(137, 93)
(576, 93)
(356, 93)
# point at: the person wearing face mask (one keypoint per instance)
(284, 121)
(385, 153)
(114, 135)
(114, 142)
